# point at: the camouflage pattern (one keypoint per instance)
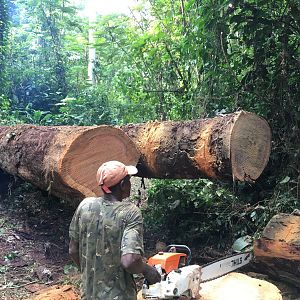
(105, 231)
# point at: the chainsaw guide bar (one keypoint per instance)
(224, 265)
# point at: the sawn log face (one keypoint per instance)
(63, 159)
(278, 249)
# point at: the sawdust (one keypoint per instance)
(57, 292)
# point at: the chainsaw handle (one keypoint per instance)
(182, 248)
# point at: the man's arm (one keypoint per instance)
(133, 263)
(74, 251)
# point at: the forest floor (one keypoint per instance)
(33, 245)
(34, 248)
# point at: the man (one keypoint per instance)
(106, 238)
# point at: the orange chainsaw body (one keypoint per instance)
(169, 261)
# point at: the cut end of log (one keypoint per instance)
(250, 146)
(277, 251)
(237, 286)
(280, 238)
(88, 151)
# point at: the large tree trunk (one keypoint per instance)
(277, 252)
(235, 146)
(63, 159)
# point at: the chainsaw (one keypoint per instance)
(180, 279)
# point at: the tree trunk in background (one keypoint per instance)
(64, 159)
(92, 49)
(277, 252)
(4, 28)
(229, 146)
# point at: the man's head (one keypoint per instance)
(113, 173)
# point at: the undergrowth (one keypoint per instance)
(212, 214)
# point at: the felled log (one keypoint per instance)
(64, 159)
(277, 252)
(234, 146)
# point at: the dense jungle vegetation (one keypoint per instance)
(168, 60)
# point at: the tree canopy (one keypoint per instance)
(168, 60)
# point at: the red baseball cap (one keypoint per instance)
(112, 172)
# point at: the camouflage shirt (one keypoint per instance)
(105, 231)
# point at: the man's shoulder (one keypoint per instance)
(129, 206)
(89, 202)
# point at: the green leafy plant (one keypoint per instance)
(70, 269)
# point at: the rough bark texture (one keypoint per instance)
(277, 252)
(63, 159)
(234, 146)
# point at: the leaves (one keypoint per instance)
(286, 179)
(169, 60)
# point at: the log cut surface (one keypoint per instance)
(63, 159)
(278, 249)
(280, 238)
(237, 286)
(229, 146)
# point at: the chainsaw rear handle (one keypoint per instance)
(184, 249)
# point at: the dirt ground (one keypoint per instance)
(33, 244)
(34, 249)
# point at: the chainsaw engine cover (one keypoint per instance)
(169, 261)
(182, 282)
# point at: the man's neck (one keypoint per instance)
(112, 198)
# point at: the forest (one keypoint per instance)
(174, 60)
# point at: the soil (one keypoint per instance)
(34, 260)
(33, 243)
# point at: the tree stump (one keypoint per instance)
(277, 252)
(64, 159)
(234, 146)
(237, 286)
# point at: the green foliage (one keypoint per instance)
(202, 212)
(8, 116)
(170, 60)
(195, 211)
(90, 108)
(37, 64)
(70, 269)
(4, 25)
(284, 199)
(11, 256)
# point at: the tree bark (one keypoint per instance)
(234, 146)
(277, 252)
(64, 159)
